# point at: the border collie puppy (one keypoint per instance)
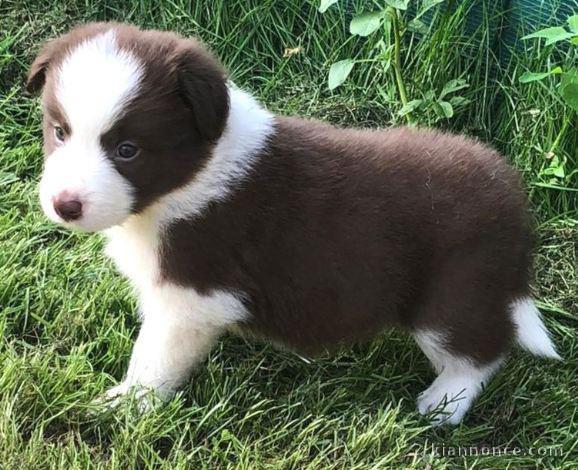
(227, 217)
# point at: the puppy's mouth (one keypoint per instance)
(77, 212)
(84, 194)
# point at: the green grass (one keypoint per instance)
(67, 320)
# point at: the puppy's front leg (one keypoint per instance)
(168, 346)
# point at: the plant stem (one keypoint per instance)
(561, 133)
(397, 63)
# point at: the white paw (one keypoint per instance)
(115, 392)
(147, 399)
(448, 399)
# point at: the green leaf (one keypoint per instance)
(325, 4)
(552, 35)
(453, 85)
(397, 4)
(339, 72)
(456, 101)
(409, 107)
(569, 88)
(446, 108)
(429, 95)
(417, 26)
(366, 23)
(555, 168)
(559, 171)
(427, 5)
(528, 77)
(573, 23)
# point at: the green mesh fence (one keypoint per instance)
(529, 15)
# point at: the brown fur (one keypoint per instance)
(340, 233)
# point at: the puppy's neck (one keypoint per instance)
(248, 128)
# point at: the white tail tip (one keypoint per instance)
(531, 333)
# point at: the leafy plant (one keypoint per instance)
(441, 105)
(568, 86)
(390, 20)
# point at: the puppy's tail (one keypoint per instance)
(531, 333)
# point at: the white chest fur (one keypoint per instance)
(135, 249)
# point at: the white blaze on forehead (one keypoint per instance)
(95, 81)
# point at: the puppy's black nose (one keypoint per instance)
(68, 208)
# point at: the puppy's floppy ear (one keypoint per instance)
(39, 68)
(203, 85)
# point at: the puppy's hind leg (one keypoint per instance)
(458, 384)
(464, 326)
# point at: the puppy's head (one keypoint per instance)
(129, 116)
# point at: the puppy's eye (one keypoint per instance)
(127, 151)
(59, 133)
